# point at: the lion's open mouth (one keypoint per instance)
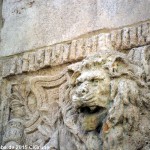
(91, 117)
(91, 109)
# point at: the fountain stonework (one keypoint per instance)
(75, 75)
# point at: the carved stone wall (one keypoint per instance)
(86, 93)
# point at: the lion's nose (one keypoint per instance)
(82, 91)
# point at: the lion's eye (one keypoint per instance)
(79, 83)
(95, 82)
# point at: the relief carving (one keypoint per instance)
(122, 39)
(100, 103)
(34, 111)
(14, 134)
(42, 121)
(105, 106)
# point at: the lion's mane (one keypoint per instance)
(127, 125)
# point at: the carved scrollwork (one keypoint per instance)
(44, 118)
(99, 103)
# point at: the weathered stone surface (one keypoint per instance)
(99, 103)
(107, 105)
(122, 39)
(66, 85)
(35, 23)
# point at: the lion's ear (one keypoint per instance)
(73, 72)
(119, 65)
(73, 77)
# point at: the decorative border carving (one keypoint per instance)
(38, 84)
(120, 39)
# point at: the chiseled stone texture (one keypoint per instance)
(122, 39)
(99, 103)
(30, 24)
(75, 74)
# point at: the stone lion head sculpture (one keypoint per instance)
(107, 103)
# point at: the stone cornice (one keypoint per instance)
(119, 39)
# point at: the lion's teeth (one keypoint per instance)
(93, 107)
